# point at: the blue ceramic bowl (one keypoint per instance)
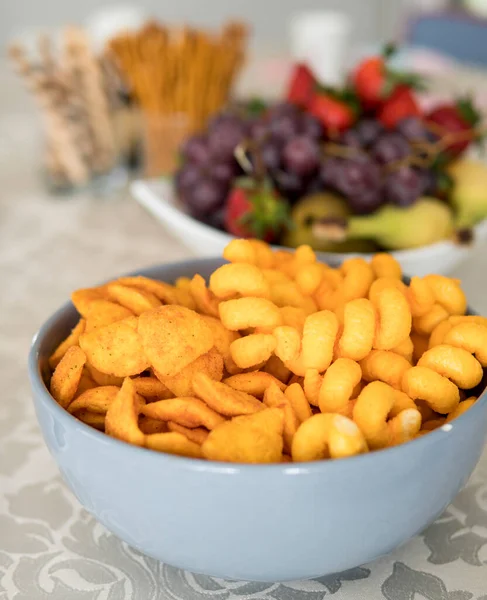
(264, 523)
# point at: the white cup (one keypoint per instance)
(319, 39)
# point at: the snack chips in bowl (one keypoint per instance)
(278, 358)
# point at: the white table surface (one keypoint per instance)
(49, 546)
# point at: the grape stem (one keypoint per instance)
(341, 151)
(243, 160)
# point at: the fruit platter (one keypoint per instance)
(356, 169)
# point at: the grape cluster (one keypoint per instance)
(366, 164)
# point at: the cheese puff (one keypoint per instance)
(359, 325)
(319, 336)
(461, 408)
(370, 413)
(385, 282)
(242, 279)
(358, 277)
(448, 293)
(329, 294)
(385, 265)
(297, 366)
(288, 343)
(275, 367)
(402, 402)
(470, 336)
(404, 427)
(456, 319)
(420, 296)
(273, 276)
(455, 363)
(288, 294)
(312, 385)
(294, 317)
(254, 383)
(422, 383)
(252, 350)
(240, 251)
(438, 334)
(385, 366)
(394, 323)
(405, 349)
(420, 344)
(304, 254)
(339, 383)
(309, 277)
(345, 438)
(296, 396)
(314, 439)
(265, 257)
(425, 324)
(242, 313)
(427, 413)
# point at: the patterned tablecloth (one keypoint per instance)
(50, 548)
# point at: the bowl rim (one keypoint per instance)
(140, 188)
(40, 390)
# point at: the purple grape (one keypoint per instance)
(196, 150)
(206, 197)
(404, 186)
(351, 139)
(368, 131)
(270, 152)
(187, 177)
(413, 129)
(289, 185)
(224, 137)
(225, 172)
(366, 201)
(311, 127)
(258, 129)
(328, 171)
(390, 147)
(360, 181)
(285, 127)
(301, 155)
(283, 108)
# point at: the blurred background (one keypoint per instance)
(375, 19)
(187, 97)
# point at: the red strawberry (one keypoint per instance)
(400, 104)
(334, 115)
(458, 119)
(369, 81)
(255, 211)
(301, 86)
(374, 81)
